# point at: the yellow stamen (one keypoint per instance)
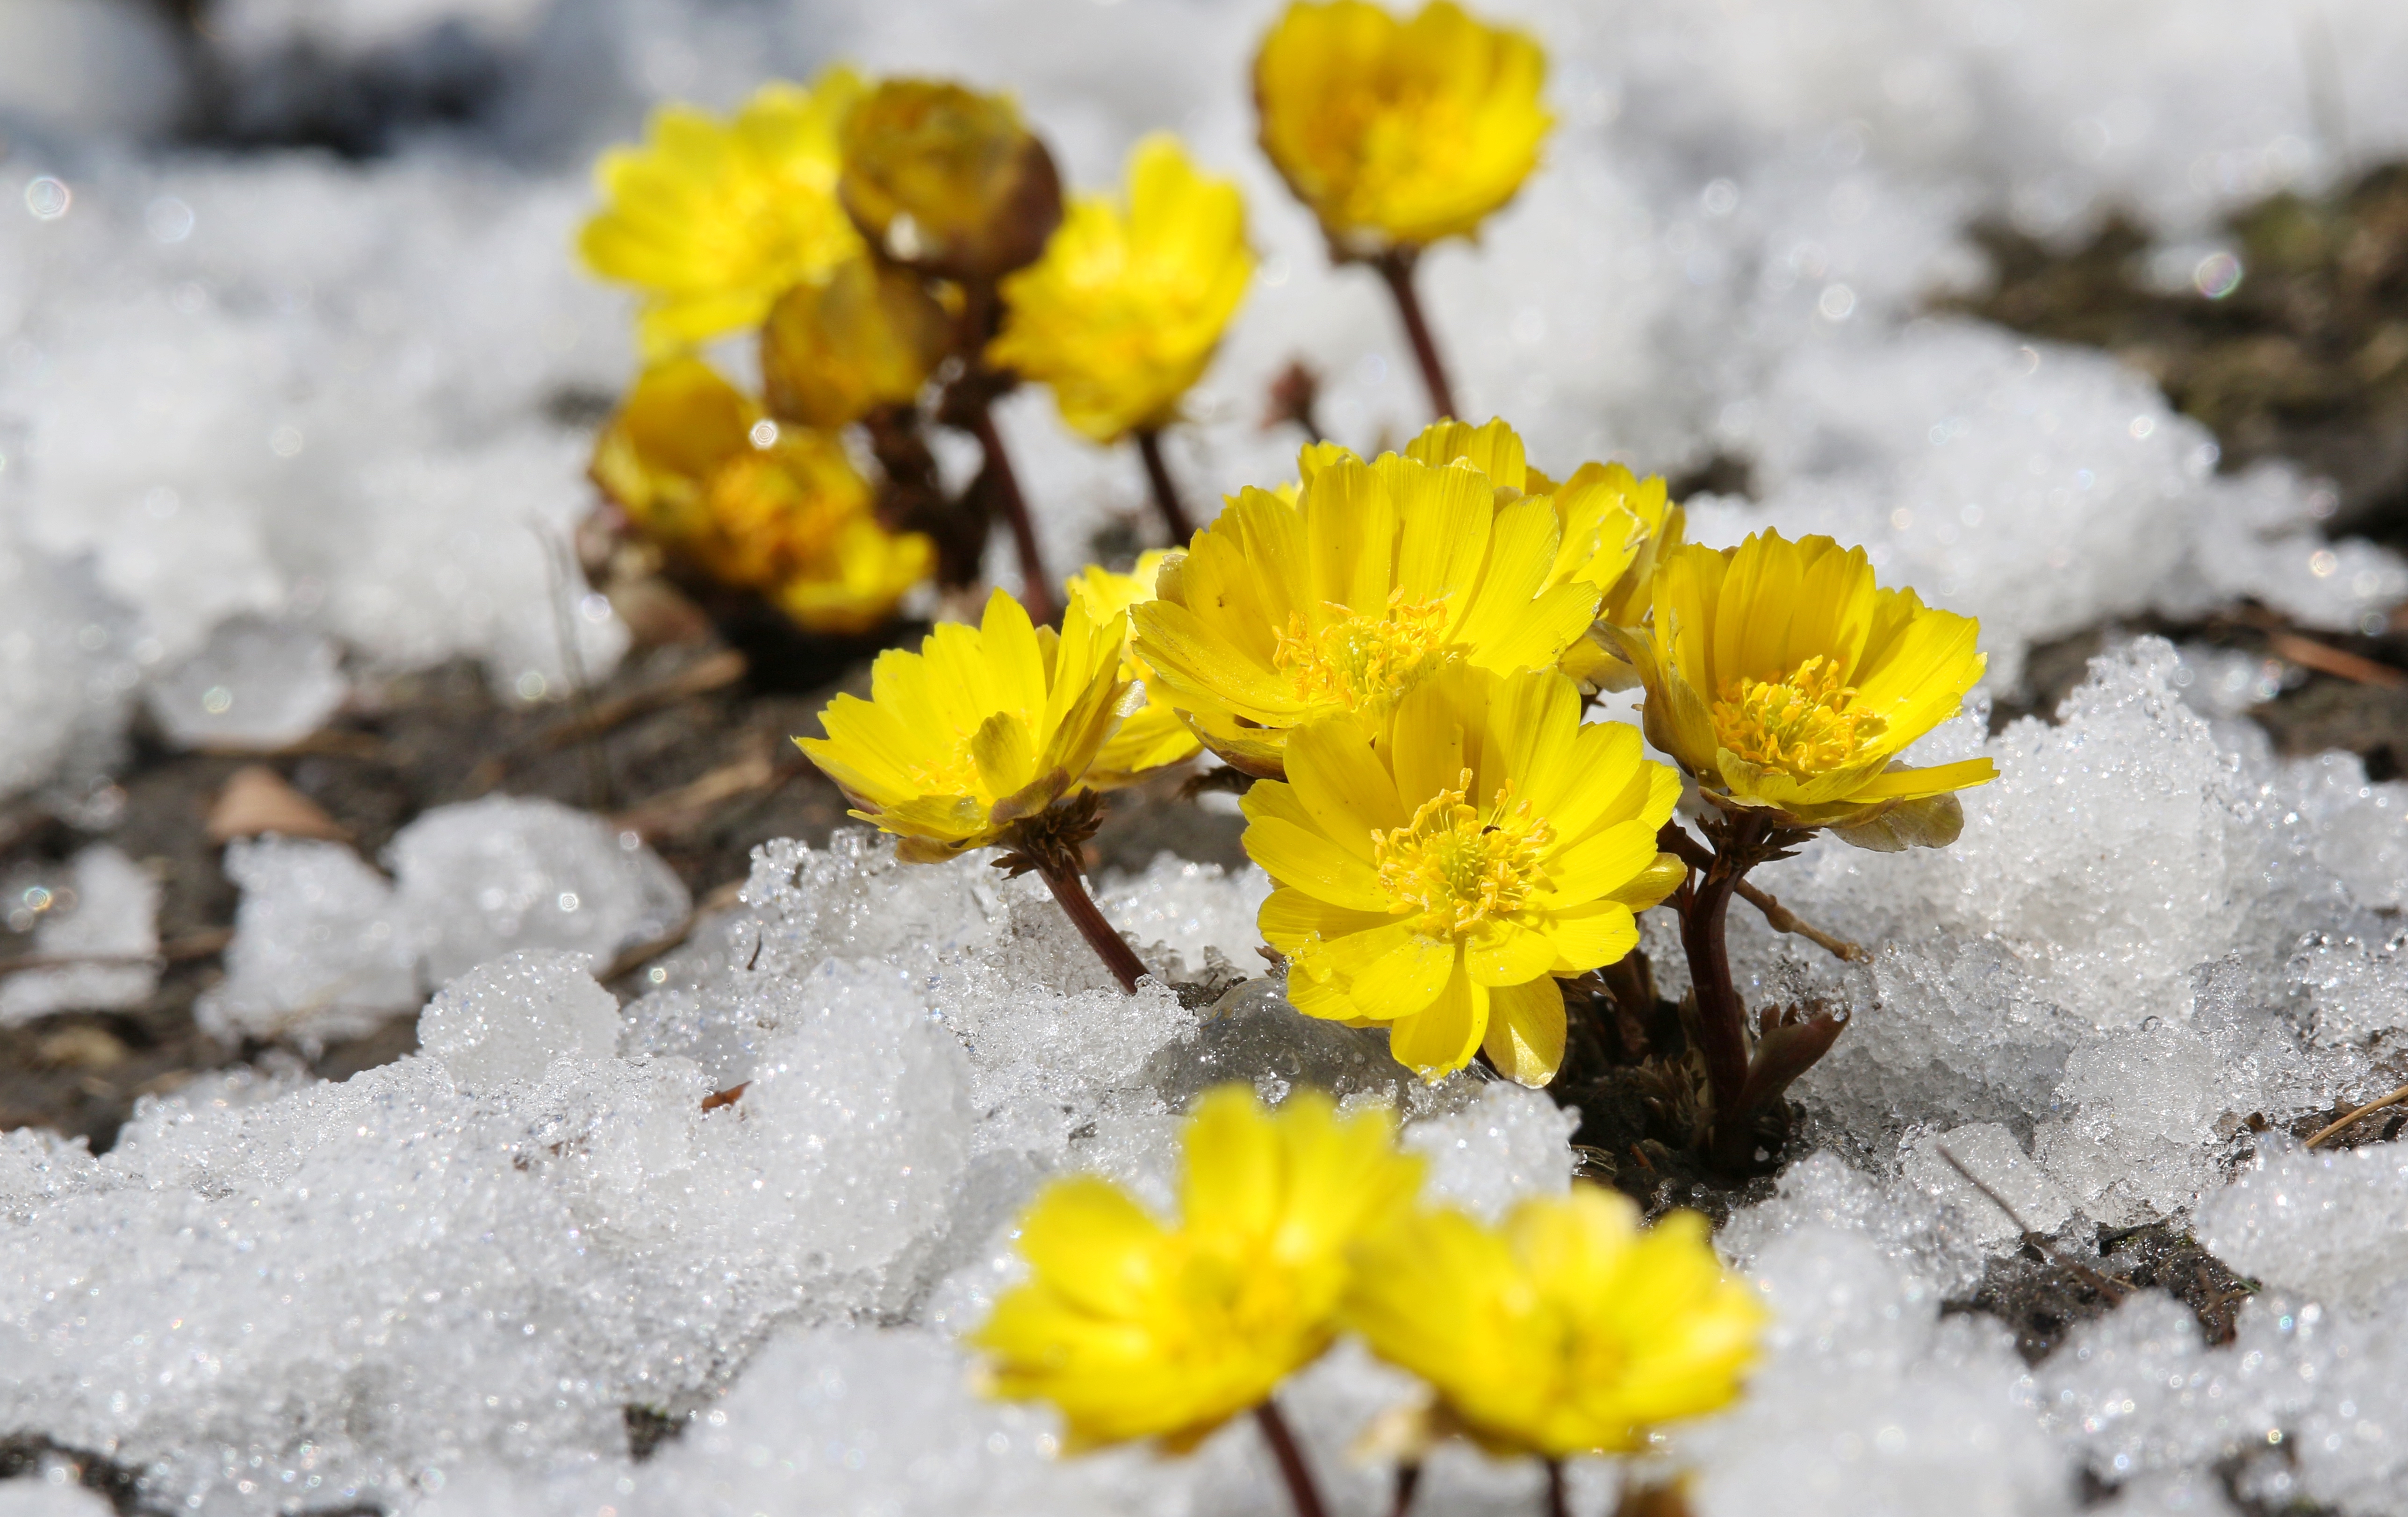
(1805, 722)
(1460, 869)
(1360, 661)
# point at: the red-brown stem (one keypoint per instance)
(1081, 908)
(1165, 489)
(1409, 1480)
(1396, 266)
(1558, 1503)
(1721, 1017)
(1299, 1475)
(1036, 587)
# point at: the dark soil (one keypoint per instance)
(419, 742)
(688, 743)
(27, 1456)
(1630, 1069)
(2045, 1291)
(2306, 359)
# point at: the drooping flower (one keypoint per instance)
(1345, 592)
(1437, 874)
(712, 220)
(1152, 736)
(835, 349)
(1121, 314)
(699, 469)
(1782, 677)
(1571, 1330)
(1398, 133)
(948, 180)
(984, 727)
(1135, 1329)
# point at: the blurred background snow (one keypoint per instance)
(288, 329)
(296, 382)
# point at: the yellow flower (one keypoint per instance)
(1348, 590)
(1138, 1330)
(1787, 682)
(1571, 1330)
(948, 180)
(982, 727)
(778, 509)
(1398, 132)
(1436, 876)
(713, 220)
(1154, 735)
(1121, 314)
(836, 349)
(1617, 527)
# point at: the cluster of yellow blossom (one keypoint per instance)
(873, 232)
(1568, 1330)
(1396, 653)
(1396, 648)
(869, 231)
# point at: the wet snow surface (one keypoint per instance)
(274, 419)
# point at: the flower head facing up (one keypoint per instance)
(1123, 313)
(834, 349)
(948, 180)
(699, 469)
(1570, 1330)
(712, 220)
(1782, 677)
(1398, 133)
(984, 727)
(1436, 876)
(1135, 1329)
(1344, 593)
(1152, 736)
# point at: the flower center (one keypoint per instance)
(1459, 869)
(1358, 661)
(1805, 722)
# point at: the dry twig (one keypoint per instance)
(2107, 1285)
(2393, 1099)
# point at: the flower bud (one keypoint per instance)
(835, 350)
(947, 180)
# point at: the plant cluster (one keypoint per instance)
(1568, 1330)
(1394, 657)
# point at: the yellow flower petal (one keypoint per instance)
(1782, 677)
(1568, 1331)
(980, 728)
(1525, 1031)
(1123, 313)
(712, 220)
(1398, 132)
(1442, 1037)
(1370, 580)
(1136, 1330)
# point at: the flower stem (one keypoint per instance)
(1080, 907)
(1558, 1505)
(1165, 491)
(1705, 911)
(1396, 266)
(1299, 1475)
(1037, 586)
(1409, 1480)
(1776, 916)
